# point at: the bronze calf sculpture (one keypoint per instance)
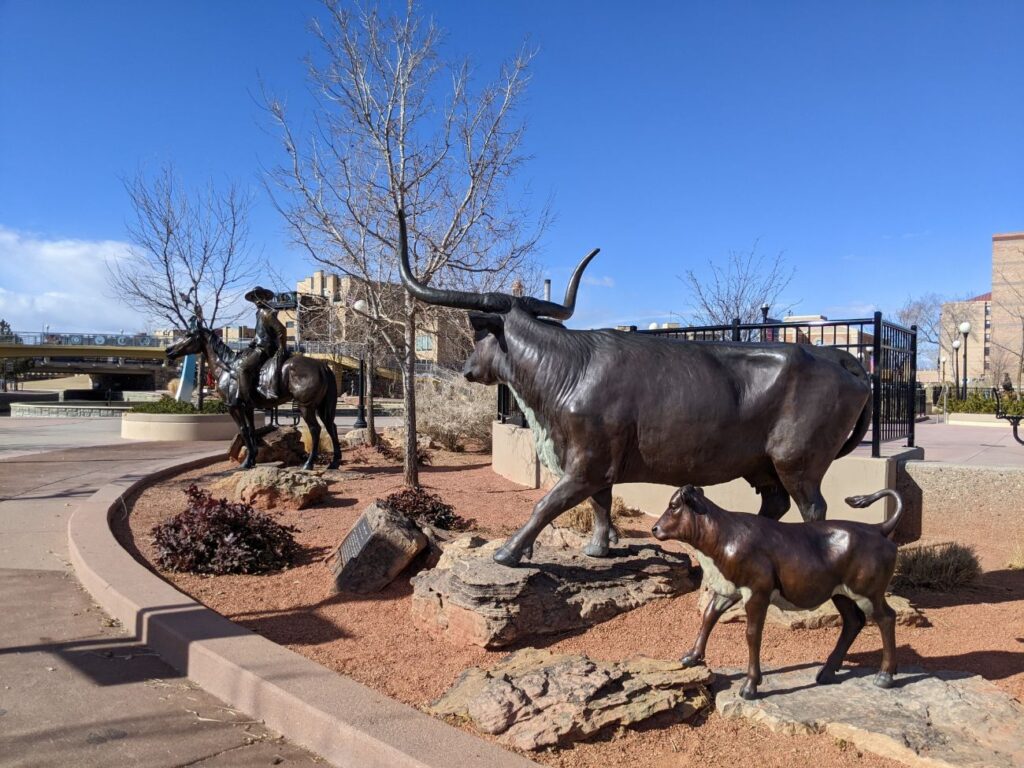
(795, 565)
(608, 407)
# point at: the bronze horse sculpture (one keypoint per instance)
(609, 407)
(309, 382)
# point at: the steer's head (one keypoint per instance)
(488, 312)
(680, 519)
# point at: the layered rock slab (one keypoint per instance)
(274, 444)
(929, 719)
(471, 600)
(535, 699)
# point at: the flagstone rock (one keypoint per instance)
(270, 486)
(928, 720)
(471, 600)
(535, 699)
(274, 444)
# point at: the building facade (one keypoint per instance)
(978, 312)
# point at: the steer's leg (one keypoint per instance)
(567, 493)
(602, 504)
(718, 605)
(774, 501)
(853, 623)
(804, 485)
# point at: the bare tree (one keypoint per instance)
(387, 137)
(739, 288)
(925, 312)
(187, 249)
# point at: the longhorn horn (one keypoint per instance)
(486, 302)
(481, 302)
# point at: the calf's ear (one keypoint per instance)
(694, 498)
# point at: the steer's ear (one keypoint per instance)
(485, 322)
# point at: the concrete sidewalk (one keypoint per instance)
(74, 688)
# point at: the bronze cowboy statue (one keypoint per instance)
(265, 376)
(269, 343)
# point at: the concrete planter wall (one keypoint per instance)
(177, 426)
(977, 419)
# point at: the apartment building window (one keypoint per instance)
(988, 323)
(987, 351)
(290, 324)
(988, 336)
(424, 343)
(988, 309)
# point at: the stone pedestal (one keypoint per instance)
(928, 720)
(378, 548)
(535, 699)
(471, 600)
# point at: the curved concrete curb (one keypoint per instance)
(347, 723)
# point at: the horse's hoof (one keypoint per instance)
(613, 537)
(825, 676)
(748, 691)
(596, 550)
(506, 557)
(884, 680)
(528, 552)
(308, 466)
(692, 660)
(334, 465)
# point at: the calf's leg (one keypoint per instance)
(716, 607)
(853, 623)
(757, 608)
(567, 493)
(886, 618)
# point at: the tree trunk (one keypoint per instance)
(201, 376)
(371, 425)
(412, 477)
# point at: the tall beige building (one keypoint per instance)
(978, 312)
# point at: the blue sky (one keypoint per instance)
(878, 145)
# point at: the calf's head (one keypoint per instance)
(680, 519)
(488, 311)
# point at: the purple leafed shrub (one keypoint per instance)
(216, 536)
(424, 507)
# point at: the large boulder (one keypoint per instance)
(380, 546)
(275, 444)
(535, 699)
(269, 486)
(471, 600)
(929, 719)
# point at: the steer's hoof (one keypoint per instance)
(692, 660)
(596, 550)
(826, 676)
(748, 691)
(884, 680)
(507, 557)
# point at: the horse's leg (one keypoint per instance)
(327, 410)
(239, 419)
(248, 413)
(309, 416)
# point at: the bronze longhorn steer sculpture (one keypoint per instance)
(609, 407)
(307, 381)
(796, 566)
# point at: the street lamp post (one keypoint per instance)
(956, 367)
(965, 328)
(764, 321)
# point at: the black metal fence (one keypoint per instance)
(887, 351)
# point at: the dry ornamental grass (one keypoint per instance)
(944, 567)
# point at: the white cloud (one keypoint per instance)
(61, 283)
(600, 282)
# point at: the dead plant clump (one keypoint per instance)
(1016, 562)
(581, 517)
(942, 567)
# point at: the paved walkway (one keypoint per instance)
(74, 689)
(989, 446)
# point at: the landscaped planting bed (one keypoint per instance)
(371, 639)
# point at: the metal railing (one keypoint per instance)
(36, 338)
(887, 351)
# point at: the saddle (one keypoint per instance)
(269, 384)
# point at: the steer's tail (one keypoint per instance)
(851, 364)
(889, 525)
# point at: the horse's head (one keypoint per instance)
(191, 344)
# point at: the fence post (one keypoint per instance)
(912, 392)
(735, 329)
(876, 389)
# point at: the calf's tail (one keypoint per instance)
(860, 502)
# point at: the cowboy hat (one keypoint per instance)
(259, 294)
